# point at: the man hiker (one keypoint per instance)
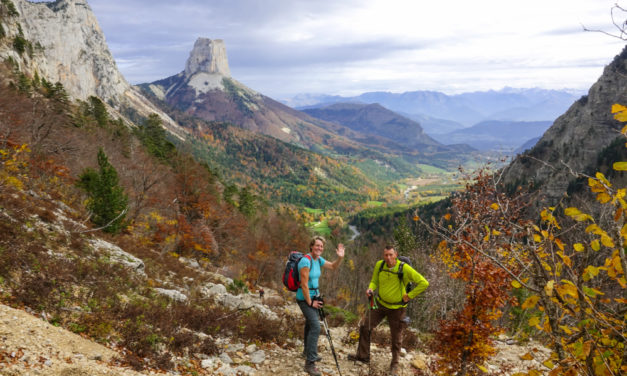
(391, 301)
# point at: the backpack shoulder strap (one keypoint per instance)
(306, 255)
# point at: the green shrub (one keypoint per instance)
(154, 138)
(20, 44)
(337, 316)
(10, 8)
(107, 200)
(237, 287)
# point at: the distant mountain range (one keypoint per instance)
(466, 109)
(206, 90)
(491, 120)
(495, 135)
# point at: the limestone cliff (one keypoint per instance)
(208, 56)
(577, 139)
(66, 45)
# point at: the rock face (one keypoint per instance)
(69, 47)
(73, 48)
(208, 56)
(577, 139)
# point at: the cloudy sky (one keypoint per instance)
(346, 47)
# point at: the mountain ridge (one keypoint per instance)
(466, 108)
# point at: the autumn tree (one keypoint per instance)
(107, 201)
(570, 262)
(473, 228)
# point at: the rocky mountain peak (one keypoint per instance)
(208, 56)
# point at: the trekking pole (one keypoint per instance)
(372, 306)
(326, 330)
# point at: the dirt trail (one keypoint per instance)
(32, 346)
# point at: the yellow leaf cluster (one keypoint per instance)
(577, 215)
(620, 113)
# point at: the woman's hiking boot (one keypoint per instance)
(311, 369)
(304, 356)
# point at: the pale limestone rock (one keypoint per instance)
(225, 358)
(258, 357)
(172, 294)
(208, 56)
(117, 255)
(69, 47)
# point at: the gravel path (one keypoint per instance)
(30, 345)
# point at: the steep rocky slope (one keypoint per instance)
(576, 139)
(62, 42)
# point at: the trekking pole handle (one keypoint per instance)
(370, 294)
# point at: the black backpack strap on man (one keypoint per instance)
(400, 278)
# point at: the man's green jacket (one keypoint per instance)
(391, 290)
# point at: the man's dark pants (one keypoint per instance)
(394, 317)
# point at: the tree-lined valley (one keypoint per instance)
(148, 218)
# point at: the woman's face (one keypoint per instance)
(317, 248)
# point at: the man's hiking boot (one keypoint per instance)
(311, 369)
(355, 358)
(304, 356)
(394, 370)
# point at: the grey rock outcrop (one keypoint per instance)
(219, 294)
(575, 140)
(208, 56)
(119, 256)
(172, 294)
(69, 47)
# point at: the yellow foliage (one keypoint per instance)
(620, 112)
(620, 166)
(548, 289)
(527, 356)
(530, 302)
(577, 215)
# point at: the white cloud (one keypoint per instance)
(284, 47)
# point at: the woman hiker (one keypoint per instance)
(309, 269)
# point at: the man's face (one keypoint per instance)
(389, 255)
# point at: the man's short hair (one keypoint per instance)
(388, 247)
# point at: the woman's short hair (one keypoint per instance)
(313, 240)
